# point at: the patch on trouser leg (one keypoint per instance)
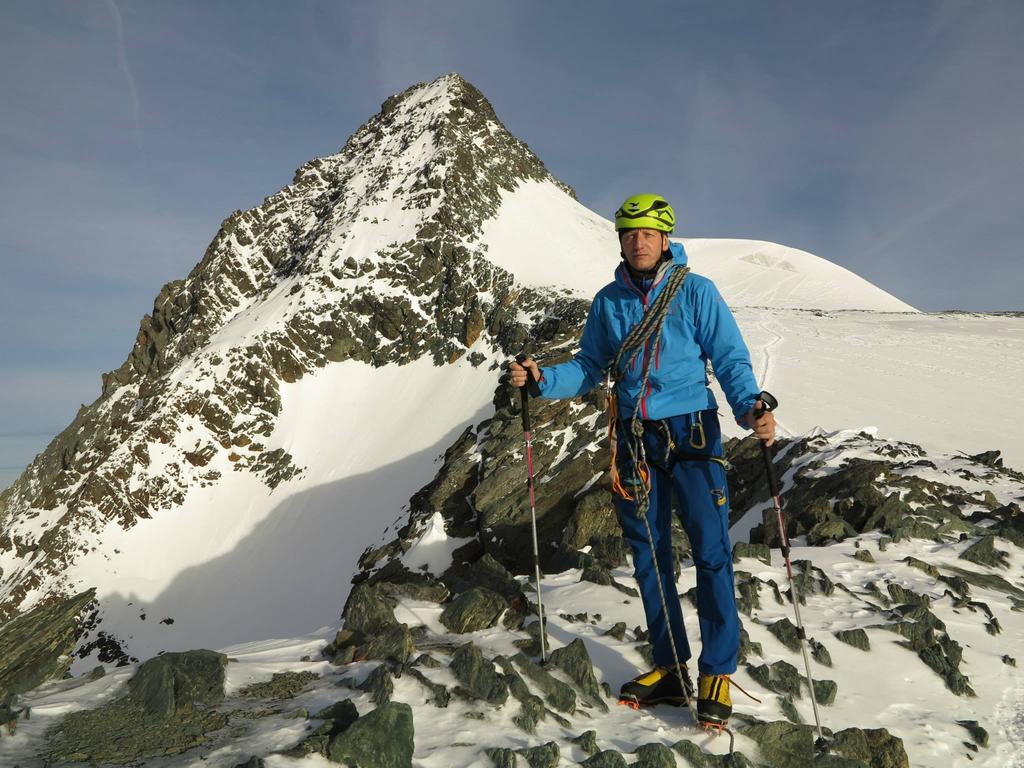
(718, 494)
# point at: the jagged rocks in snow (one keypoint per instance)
(978, 734)
(439, 695)
(742, 549)
(574, 660)
(607, 758)
(475, 609)
(858, 638)
(393, 644)
(984, 552)
(531, 708)
(654, 756)
(176, 682)
(560, 695)
(379, 684)
(782, 744)
(168, 710)
(501, 757)
(587, 741)
(779, 677)
(336, 718)
(786, 632)
(874, 746)
(282, 685)
(382, 738)
(477, 676)
(542, 756)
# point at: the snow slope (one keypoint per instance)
(547, 239)
(237, 561)
(944, 381)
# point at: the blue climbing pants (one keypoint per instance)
(674, 448)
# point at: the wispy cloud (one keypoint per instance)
(122, 62)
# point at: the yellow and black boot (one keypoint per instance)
(661, 685)
(714, 706)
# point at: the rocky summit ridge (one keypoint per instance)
(372, 254)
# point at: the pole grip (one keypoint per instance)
(768, 403)
(531, 389)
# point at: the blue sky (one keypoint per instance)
(883, 136)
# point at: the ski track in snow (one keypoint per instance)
(767, 350)
(1009, 717)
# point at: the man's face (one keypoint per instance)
(643, 247)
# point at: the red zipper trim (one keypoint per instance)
(631, 285)
(647, 353)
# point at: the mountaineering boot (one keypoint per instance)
(714, 706)
(659, 686)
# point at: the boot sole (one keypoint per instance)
(634, 703)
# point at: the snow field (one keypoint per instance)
(238, 560)
(941, 381)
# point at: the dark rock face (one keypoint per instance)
(558, 694)
(876, 747)
(654, 756)
(984, 552)
(37, 646)
(336, 718)
(477, 608)
(543, 756)
(574, 660)
(477, 675)
(608, 758)
(382, 738)
(858, 638)
(785, 632)
(282, 685)
(780, 677)
(177, 682)
(167, 711)
(783, 744)
(587, 741)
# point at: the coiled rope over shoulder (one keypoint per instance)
(646, 332)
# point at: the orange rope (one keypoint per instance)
(642, 469)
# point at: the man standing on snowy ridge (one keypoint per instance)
(652, 331)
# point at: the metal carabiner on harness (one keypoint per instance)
(698, 427)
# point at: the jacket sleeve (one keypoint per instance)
(719, 337)
(586, 369)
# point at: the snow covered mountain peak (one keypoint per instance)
(372, 254)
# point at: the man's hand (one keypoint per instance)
(517, 372)
(763, 424)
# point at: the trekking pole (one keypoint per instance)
(532, 388)
(770, 404)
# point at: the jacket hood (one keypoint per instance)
(678, 253)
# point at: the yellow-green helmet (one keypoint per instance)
(645, 212)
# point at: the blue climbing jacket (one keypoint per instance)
(698, 327)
